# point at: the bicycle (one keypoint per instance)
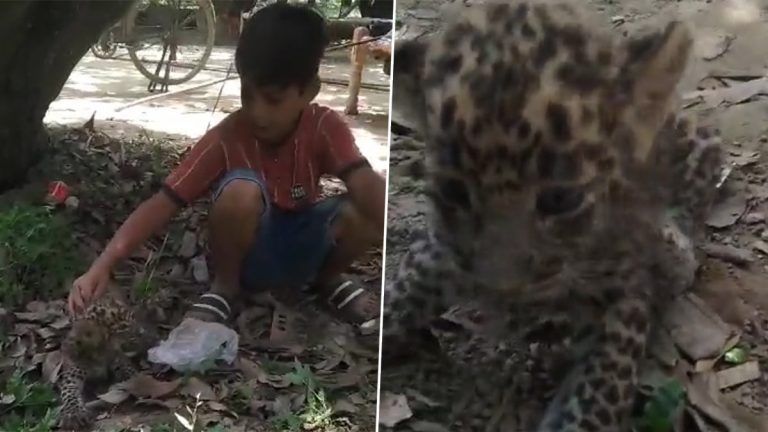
(168, 41)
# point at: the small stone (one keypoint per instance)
(754, 218)
(760, 246)
(764, 235)
(72, 202)
(764, 139)
(188, 245)
(394, 409)
(199, 269)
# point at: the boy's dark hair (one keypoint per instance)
(281, 45)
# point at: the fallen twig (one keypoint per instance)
(175, 92)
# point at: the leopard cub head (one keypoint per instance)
(539, 125)
(85, 340)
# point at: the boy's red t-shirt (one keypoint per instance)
(322, 144)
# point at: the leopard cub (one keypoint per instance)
(554, 151)
(97, 347)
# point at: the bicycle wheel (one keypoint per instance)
(105, 47)
(171, 40)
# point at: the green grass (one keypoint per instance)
(166, 427)
(37, 254)
(240, 400)
(145, 288)
(26, 406)
(317, 413)
(188, 421)
(662, 409)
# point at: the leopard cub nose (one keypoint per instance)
(557, 200)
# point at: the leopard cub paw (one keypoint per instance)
(74, 417)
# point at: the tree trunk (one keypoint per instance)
(40, 43)
(344, 29)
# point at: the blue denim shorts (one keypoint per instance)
(290, 247)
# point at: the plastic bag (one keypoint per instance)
(194, 345)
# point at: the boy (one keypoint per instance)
(263, 163)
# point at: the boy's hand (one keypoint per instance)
(88, 288)
(148, 218)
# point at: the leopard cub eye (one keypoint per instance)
(557, 200)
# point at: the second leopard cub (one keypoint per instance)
(97, 347)
(553, 154)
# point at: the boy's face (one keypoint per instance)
(273, 111)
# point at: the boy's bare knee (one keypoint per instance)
(239, 198)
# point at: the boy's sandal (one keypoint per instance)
(211, 307)
(351, 301)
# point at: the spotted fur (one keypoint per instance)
(553, 157)
(97, 347)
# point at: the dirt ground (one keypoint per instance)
(725, 86)
(107, 86)
(297, 368)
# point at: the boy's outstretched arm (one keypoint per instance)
(148, 218)
(191, 178)
(367, 190)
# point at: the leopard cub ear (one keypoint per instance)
(407, 77)
(655, 65)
